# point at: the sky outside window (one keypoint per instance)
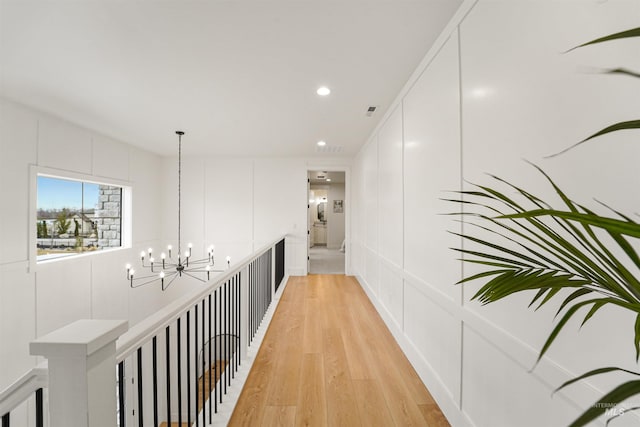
(56, 193)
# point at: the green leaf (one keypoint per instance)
(617, 395)
(480, 275)
(591, 374)
(609, 224)
(576, 294)
(551, 294)
(623, 71)
(634, 32)
(631, 124)
(591, 312)
(636, 340)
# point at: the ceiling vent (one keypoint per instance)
(329, 149)
(371, 110)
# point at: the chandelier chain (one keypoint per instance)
(179, 189)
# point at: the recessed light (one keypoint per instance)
(323, 91)
(328, 179)
(321, 143)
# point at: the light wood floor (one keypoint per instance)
(329, 360)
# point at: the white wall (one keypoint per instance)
(240, 204)
(495, 90)
(35, 301)
(335, 220)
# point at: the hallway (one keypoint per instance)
(323, 260)
(329, 360)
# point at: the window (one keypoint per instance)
(75, 216)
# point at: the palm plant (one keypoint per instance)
(570, 253)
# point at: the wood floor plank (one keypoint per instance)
(341, 399)
(328, 359)
(372, 406)
(284, 387)
(312, 335)
(379, 342)
(434, 416)
(311, 409)
(279, 416)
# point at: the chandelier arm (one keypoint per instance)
(194, 277)
(200, 261)
(174, 277)
(155, 278)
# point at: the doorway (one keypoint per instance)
(326, 222)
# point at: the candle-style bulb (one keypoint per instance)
(163, 256)
(150, 250)
(142, 254)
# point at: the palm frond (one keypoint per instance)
(634, 32)
(630, 124)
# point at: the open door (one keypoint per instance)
(309, 236)
(326, 222)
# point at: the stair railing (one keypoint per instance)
(165, 365)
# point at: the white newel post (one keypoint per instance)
(82, 372)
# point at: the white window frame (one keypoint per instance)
(126, 212)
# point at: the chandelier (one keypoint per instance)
(167, 269)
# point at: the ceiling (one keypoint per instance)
(239, 77)
(320, 177)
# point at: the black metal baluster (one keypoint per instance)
(239, 309)
(121, 409)
(235, 319)
(155, 381)
(221, 342)
(140, 399)
(211, 384)
(188, 368)
(225, 338)
(215, 350)
(250, 302)
(167, 343)
(250, 298)
(179, 372)
(261, 289)
(5, 420)
(233, 326)
(270, 278)
(195, 363)
(204, 394)
(39, 408)
(227, 335)
(232, 332)
(254, 297)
